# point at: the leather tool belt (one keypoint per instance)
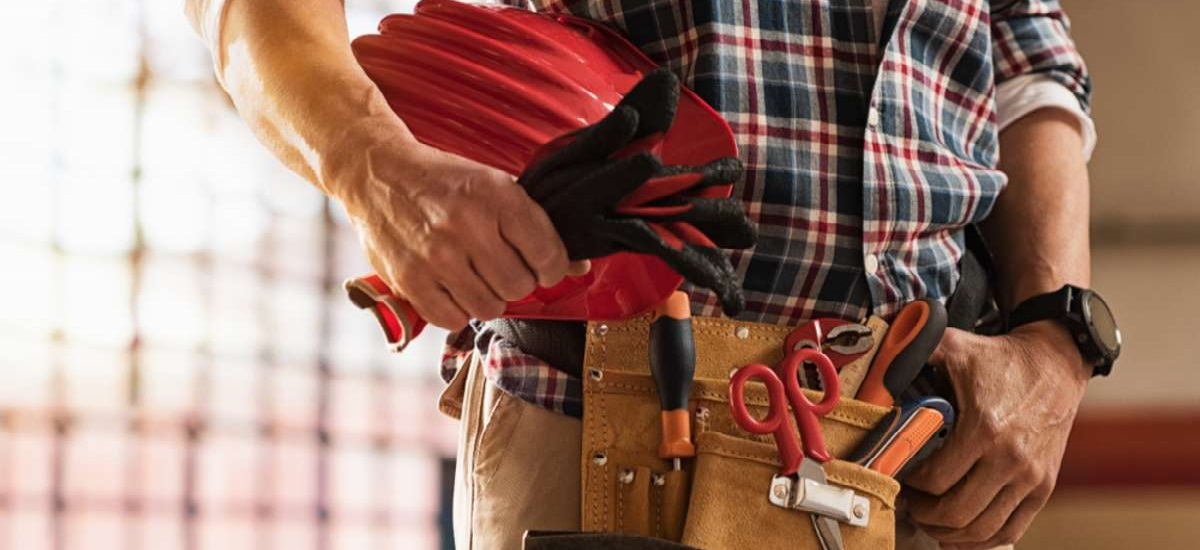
(719, 499)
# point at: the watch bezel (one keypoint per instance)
(1106, 354)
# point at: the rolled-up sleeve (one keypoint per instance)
(206, 17)
(1033, 37)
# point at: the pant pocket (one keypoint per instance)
(501, 415)
(730, 506)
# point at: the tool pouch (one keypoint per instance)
(729, 507)
(720, 499)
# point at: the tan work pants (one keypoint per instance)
(518, 469)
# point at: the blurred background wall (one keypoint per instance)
(1130, 477)
(178, 368)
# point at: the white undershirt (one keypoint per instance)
(1025, 94)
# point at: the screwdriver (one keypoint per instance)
(673, 364)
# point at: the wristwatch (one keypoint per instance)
(1085, 314)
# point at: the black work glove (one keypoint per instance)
(603, 201)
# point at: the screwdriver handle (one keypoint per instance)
(673, 364)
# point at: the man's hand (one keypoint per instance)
(1017, 397)
(455, 238)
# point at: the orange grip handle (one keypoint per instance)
(906, 444)
(905, 328)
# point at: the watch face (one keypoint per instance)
(1103, 325)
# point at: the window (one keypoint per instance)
(180, 367)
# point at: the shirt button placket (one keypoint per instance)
(873, 117)
(871, 263)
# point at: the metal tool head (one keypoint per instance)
(850, 339)
(828, 532)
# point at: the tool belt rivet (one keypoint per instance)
(600, 458)
(859, 511)
(659, 480)
(742, 333)
(626, 476)
(600, 330)
(596, 374)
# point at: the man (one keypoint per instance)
(872, 133)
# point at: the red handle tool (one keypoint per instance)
(783, 389)
(397, 318)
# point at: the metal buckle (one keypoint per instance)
(814, 497)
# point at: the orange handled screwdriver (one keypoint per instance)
(673, 364)
(905, 436)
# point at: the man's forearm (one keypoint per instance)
(1039, 228)
(288, 67)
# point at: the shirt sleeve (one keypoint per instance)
(207, 17)
(1025, 94)
(1033, 37)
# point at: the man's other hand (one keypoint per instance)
(455, 238)
(1017, 397)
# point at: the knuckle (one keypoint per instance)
(1006, 537)
(956, 519)
(980, 532)
(546, 258)
(935, 485)
(1017, 455)
(926, 515)
(991, 428)
(443, 259)
(517, 287)
(442, 316)
(1043, 491)
(1034, 471)
(488, 310)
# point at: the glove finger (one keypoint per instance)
(662, 187)
(594, 143)
(723, 171)
(733, 301)
(683, 180)
(655, 99)
(550, 184)
(703, 267)
(600, 189)
(722, 220)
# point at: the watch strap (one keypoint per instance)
(1053, 306)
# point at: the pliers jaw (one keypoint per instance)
(850, 339)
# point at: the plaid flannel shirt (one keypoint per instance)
(865, 156)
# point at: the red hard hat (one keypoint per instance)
(495, 83)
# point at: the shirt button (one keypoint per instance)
(873, 117)
(871, 263)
